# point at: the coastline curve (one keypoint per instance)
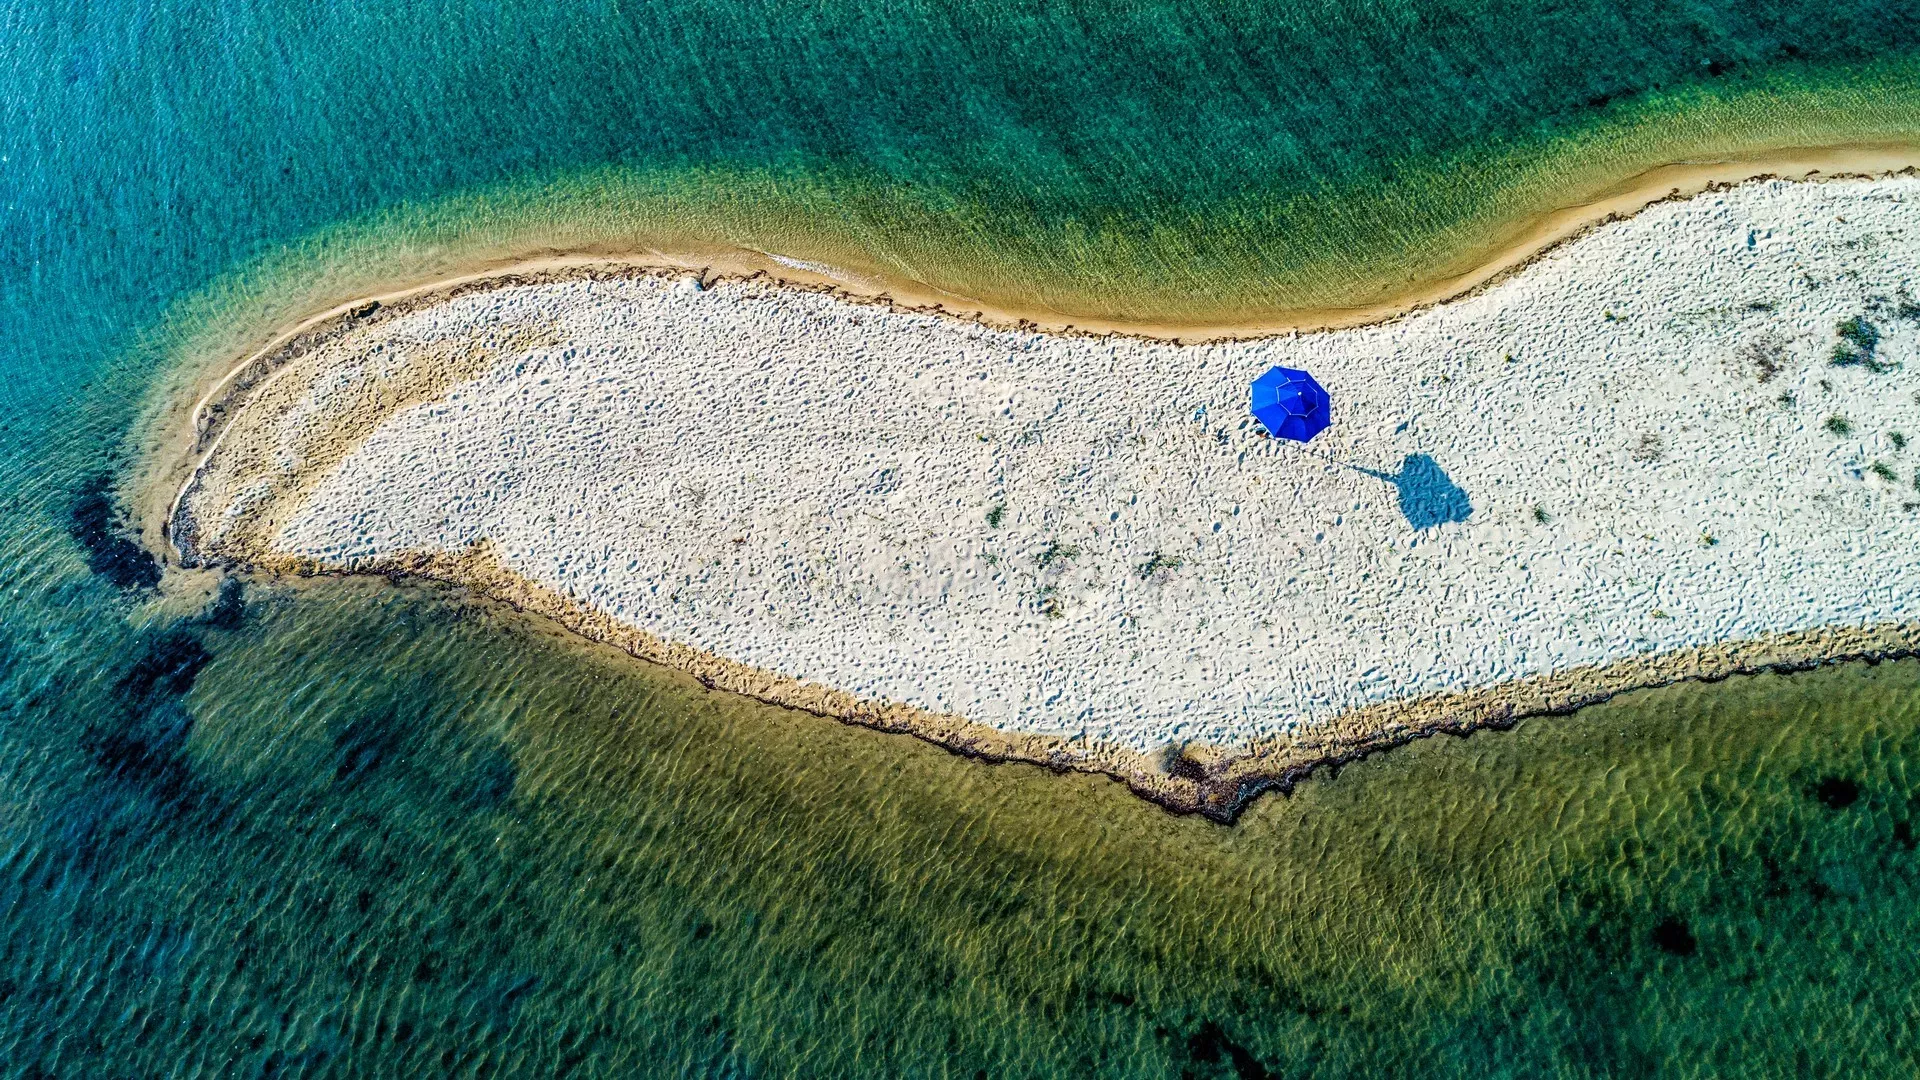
(1195, 776)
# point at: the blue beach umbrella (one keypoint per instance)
(1288, 403)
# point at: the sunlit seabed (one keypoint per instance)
(455, 836)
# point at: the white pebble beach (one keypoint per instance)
(1638, 444)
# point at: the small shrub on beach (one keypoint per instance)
(996, 515)
(1883, 471)
(694, 496)
(1786, 399)
(1540, 514)
(1766, 357)
(1859, 340)
(1898, 440)
(1159, 563)
(1056, 552)
(1839, 425)
(1050, 603)
(1859, 333)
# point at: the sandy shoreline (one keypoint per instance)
(1191, 770)
(169, 440)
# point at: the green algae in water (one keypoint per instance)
(376, 831)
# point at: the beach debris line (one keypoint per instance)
(1290, 404)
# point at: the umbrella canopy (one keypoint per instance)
(1288, 403)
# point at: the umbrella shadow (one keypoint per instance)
(1428, 496)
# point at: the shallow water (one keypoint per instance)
(1153, 160)
(368, 829)
(454, 839)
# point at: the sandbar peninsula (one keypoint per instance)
(1675, 446)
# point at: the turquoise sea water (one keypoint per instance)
(378, 830)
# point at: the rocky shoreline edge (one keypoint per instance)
(1216, 782)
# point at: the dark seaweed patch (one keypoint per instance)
(88, 828)
(137, 747)
(493, 777)
(362, 744)
(1836, 792)
(229, 608)
(1675, 937)
(429, 968)
(110, 552)
(502, 995)
(145, 749)
(392, 744)
(167, 668)
(299, 1063)
(144, 739)
(1209, 1045)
